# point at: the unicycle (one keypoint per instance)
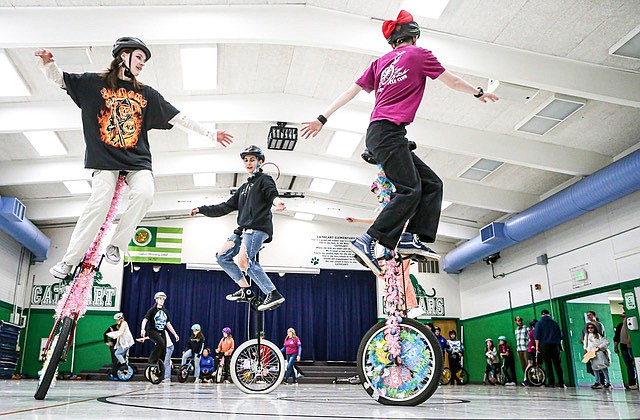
(155, 373)
(535, 374)
(73, 303)
(257, 365)
(125, 371)
(399, 359)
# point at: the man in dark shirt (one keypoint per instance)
(549, 343)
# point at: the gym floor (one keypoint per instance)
(112, 400)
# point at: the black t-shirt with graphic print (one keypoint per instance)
(157, 318)
(115, 123)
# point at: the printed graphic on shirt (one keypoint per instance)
(392, 74)
(160, 320)
(121, 122)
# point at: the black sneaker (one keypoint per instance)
(272, 301)
(242, 295)
(364, 248)
(410, 244)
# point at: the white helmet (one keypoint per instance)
(160, 295)
(118, 316)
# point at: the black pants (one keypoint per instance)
(627, 357)
(114, 360)
(160, 348)
(551, 356)
(227, 362)
(454, 366)
(418, 195)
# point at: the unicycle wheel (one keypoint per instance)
(125, 372)
(407, 380)
(257, 371)
(154, 373)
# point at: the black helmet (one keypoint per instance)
(404, 30)
(453, 332)
(436, 329)
(129, 42)
(254, 151)
(533, 323)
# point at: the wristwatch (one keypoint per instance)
(480, 92)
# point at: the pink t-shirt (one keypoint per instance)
(399, 78)
(291, 345)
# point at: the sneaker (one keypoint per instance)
(510, 384)
(596, 386)
(242, 295)
(272, 301)
(364, 247)
(633, 386)
(524, 383)
(410, 244)
(414, 313)
(112, 378)
(607, 386)
(61, 270)
(112, 254)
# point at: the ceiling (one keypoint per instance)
(285, 60)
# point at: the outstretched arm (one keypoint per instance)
(187, 124)
(461, 85)
(49, 67)
(312, 128)
(358, 220)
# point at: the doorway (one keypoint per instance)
(608, 308)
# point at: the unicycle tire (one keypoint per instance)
(58, 345)
(257, 371)
(410, 382)
(219, 372)
(125, 372)
(446, 376)
(535, 375)
(462, 376)
(154, 374)
(183, 373)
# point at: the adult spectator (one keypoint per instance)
(548, 338)
(622, 346)
(206, 367)
(522, 341)
(592, 318)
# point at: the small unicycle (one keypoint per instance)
(399, 359)
(73, 304)
(535, 374)
(125, 371)
(257, 365)
(185, 370)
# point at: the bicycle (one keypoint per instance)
(185, 370)
(257, 365)
(461, 376)
(73, 303)
(399, 359)
(535, 374)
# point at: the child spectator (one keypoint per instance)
(509, 361)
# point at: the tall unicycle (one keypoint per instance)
(73, 304)
(257, 366)
(399, 359)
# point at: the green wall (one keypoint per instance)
(477, 330)
(90, 351)
(5, 311)
(575, 312)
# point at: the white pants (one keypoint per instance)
(103, 184)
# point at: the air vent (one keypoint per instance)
(481, 169)
(12, 209)
(432, 267)
(629, 46)
(550, 114)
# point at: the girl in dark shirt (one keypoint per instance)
(253, 201)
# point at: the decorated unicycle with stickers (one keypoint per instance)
(73, 304)
(399, 359)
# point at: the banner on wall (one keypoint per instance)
(103, 296)
(332, 252)
(156, 245)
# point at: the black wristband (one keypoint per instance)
(322, 119)
(480, 92)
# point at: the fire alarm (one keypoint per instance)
(537, 286)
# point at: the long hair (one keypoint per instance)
(595, 332)
(199, 335)
(293, 331)
(110, 75)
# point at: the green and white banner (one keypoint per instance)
(156, 244)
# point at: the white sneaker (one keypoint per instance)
(61, 270)
(633, 386)
(112, 254)
(414, 313)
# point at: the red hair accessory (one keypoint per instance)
(388, 26)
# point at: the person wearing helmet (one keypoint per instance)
(399, 79)
(253, 201)
(123, 337)
(507, 357)
(455, 350)
(195, 346)
(117, 112)
(155, 322)
(492, 368)
(225, 349)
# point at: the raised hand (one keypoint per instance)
(488, 97)
(311, 128)
(194, 211)
(224, 138)
(45, 55)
